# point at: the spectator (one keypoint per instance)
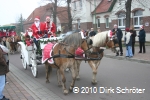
(92, 33)
(3, 70)
(128, 43)
(6, 56)
(119, 36)
(133, 38)
(142, 36)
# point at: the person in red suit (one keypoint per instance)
(4, 33)
(49, 27)
(38, 30)
(13, 33)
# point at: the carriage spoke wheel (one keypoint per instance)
(23, 61)
(34, 66)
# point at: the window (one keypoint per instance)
(80, 3)
(75, 6)
(78, 24)
(121, 20)
(98, 22)
(137, 18)
(107, 22)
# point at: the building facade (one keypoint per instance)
(106, 13)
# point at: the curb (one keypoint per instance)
(128, 59)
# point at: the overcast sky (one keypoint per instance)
(10, 10)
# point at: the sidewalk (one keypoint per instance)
(14, 91)
(138, 57)
(23, 87)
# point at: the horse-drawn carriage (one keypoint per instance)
(63, 54)
(30, 55)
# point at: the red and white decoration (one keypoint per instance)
(79, 52)
(47, 53)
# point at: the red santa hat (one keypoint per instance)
(47, 17)
(37, 18)
(142, 27)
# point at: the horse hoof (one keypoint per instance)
(78, 78)
(94, 82)
(65, 92)
(70, 89)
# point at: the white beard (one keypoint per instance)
(37, 24)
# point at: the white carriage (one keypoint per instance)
(29, 56)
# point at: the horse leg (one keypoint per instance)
(74, 74)
(94, 65)
(11, 48)
(65, 91)
(78, 69)
(48, 72)
(58, 78)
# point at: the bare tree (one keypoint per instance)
(128, 12)
(69, 15)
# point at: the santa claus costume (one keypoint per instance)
(50, 27)
(37, 28)
(13, 33)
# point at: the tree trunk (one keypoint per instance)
(55, 14)
(69, 16)
(128, 13)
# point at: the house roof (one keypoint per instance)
(104, 6)
(44, 11)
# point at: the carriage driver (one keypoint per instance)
(50, 27)
(38, 30)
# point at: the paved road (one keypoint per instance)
(112, 73)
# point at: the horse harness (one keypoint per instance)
(64, 55)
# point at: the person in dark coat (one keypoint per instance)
(6, 55)
(92, 33)
(142, 36)
(119, 36)
(133, 38)
(3, 70)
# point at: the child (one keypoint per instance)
(128, 43)
(28, 41)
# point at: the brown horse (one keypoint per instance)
(12, 43)
(101, 39)
(65, 52)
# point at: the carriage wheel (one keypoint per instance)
(34, 66)
(23, 61)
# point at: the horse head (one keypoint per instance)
(86, 44)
